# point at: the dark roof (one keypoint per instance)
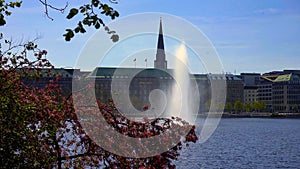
(108, 72)
(232, 77)
(45, 72)
(250, 74)
(200, 76)
(103, 72)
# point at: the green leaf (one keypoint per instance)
(117, 14)
(72, 13)
(2, 20)
(12, 4)
(7, 13)
(86, 21)
(82, 9)
(82, 30)
(18, 4)
(69, 35)
(97, 25)
(77, 29)
(95, 2)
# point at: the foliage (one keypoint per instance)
(294, 108)
(248, 107)
(91, 18)
(228, 107)
(91, 15)
(40, 129)
(259, 106)
(5, 9)
(238, 106)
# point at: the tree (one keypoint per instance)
(259, 106)
(238, 106)
(91, 15)
(40, 128)
(35, 123)
(248, 107)
(263, 106)
(228, 107)
(294, 108)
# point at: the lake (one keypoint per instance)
(247, 143)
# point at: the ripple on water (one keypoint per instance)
(247, 143)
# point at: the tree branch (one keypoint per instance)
(47, 5)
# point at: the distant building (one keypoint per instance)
(280, 90)
(132, 82)
(204, 88)
(235, 89)
(62, 77)
(250, 94)
(250, 79)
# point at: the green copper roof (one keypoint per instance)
(46, 72)
(110, 72)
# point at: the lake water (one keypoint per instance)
(247, 143)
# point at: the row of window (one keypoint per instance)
(250, 100)
(294, 102)
(250, 95)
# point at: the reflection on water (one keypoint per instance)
(247, 143)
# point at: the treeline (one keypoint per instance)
(239, 106)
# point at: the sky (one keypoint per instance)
(248, 35)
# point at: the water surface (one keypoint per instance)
(247, 143)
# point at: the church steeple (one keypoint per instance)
(160, 61)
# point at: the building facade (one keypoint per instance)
(235, 89)
(280, 90)
(250, 94)
(139, 83)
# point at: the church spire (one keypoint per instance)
(160, 61)
(160, 44)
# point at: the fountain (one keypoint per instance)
(184, 97)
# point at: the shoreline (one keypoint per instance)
(256, 115)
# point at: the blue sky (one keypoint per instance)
(249, 36)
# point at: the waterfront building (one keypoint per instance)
(133, 83)
(250, 79)
(280, 90)
(250, 94)
(60, 76)
(235, 89)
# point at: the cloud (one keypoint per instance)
(267, 11)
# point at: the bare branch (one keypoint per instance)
(47, 6)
